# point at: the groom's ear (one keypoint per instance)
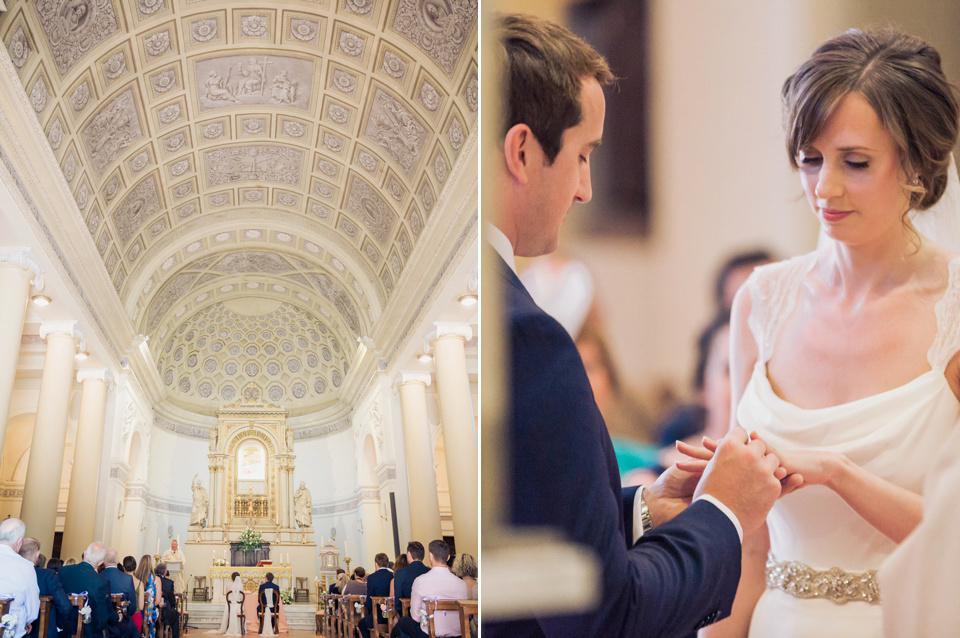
(517, 146)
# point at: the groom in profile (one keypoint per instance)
(669, 555)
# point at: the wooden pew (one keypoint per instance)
(467, 608)
(78, 601)
(433, 606)
(46, 602)
(382, 630)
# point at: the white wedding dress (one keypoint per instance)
(894, 435)
(230, 624)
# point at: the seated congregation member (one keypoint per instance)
(49, 585)
(336, 587)
(83, 577)
(439, 583)
(169, 612)
(120, 583)
(268, 606)
(130, 567)
(378, 584)
(18, 580)
(403, 580)
(54, 564)
(357, 584)
(465, 568)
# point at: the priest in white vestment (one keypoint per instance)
(174, 554)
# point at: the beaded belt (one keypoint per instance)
(833, 584)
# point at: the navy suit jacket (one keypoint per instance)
(260, 596)
(50, 586)
(121, 583)
(564, 475)
(403, 582)
(80, 578)
(378, 584)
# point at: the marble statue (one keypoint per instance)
(303, 506)
(198, 515)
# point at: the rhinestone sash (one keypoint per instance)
(833, 584)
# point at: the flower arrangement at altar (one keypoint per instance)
(8, 625)
(250, 539)
(286, 595)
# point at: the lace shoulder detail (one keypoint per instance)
(773, 293)
(947, 311)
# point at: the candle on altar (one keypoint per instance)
(178, 539)
(158, 545)
(345, 551)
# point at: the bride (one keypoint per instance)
(843, 360)
(230, 625)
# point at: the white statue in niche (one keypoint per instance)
(198, 515)
(303, 505)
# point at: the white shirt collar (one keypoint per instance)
(502, 245)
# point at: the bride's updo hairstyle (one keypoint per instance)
(901, 78)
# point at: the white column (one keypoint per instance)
(17, 272)
(82, 498)
(459, 432)
(421, 477)
(41, 489)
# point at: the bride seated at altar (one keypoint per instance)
(232, 612)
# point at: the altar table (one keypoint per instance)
(252, 578)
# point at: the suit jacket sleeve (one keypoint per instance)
(60, 601)
(100, 604)
(564, 475)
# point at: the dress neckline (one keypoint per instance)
(760, 370)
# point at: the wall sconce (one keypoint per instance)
(41, 300)
(469, 299)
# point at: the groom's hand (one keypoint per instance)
(670, 494)
(741, 476)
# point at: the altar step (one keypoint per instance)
(209, 615)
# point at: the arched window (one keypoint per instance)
(251, 467)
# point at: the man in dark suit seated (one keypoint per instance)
(169, 613)
(83, 577)
(668, 555)
(49, 586)
(403, 579)
(262, 599)
(120, 583)
(378, 584)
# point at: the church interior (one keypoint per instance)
(238, 258)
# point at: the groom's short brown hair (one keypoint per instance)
(544, 67)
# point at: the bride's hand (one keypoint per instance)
(817, 467)
(701, 455)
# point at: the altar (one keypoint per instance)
(252, 496)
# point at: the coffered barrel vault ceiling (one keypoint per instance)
(251, 164)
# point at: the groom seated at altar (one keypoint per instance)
(262, 597)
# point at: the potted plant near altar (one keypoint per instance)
(286, 595)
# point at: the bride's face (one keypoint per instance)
(852, 177)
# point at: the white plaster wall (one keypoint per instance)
(174, 460)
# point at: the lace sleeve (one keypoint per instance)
(773, 293)
(947, 342)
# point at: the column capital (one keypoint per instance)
(23, 257)
(96, 374)
(411, 376)
(67, 327)
(451, 329)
